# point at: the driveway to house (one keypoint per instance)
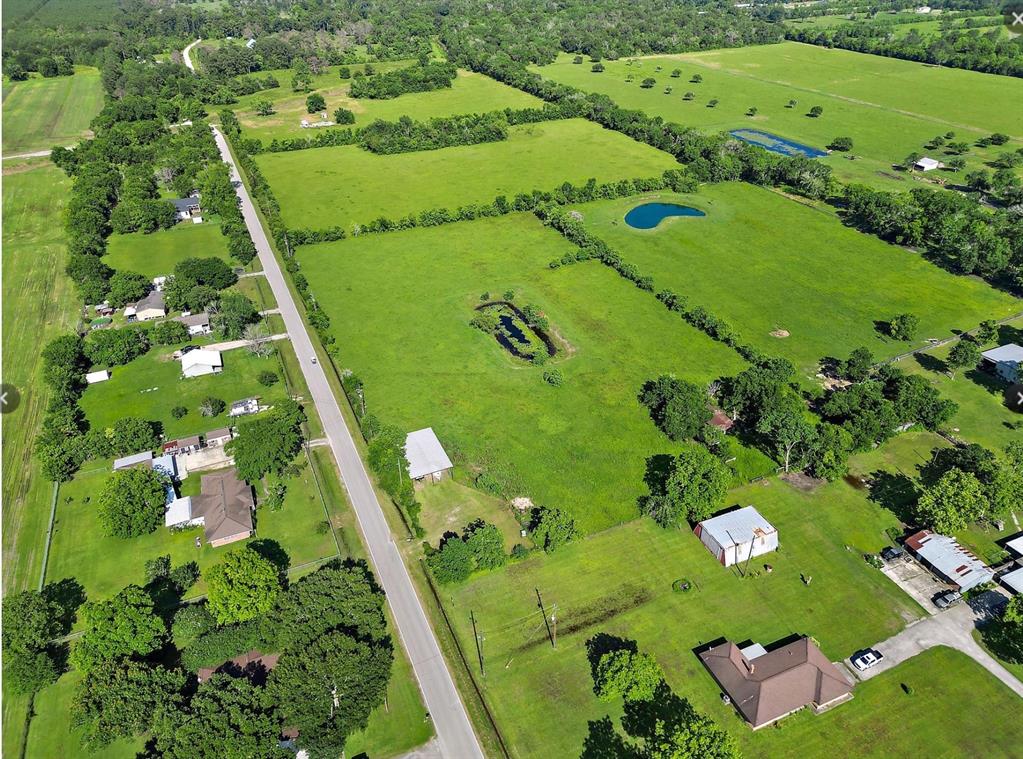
(953, 628)
(232, 344)
(186, 54)
(454, 730)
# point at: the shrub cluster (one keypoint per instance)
(391, 84)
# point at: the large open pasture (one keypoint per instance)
(888, 107)
(40, 113)
(158, 253)
(619, 582)
(469, 93)
(323, 187)
(400, 305)
(764, 263)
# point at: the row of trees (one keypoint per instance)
(422, 77)
(406, 135)
(954, 230)
(988, 51)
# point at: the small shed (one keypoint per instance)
(737, 536)
(201, 362)
(425, 455)
(219, 436)
(101, 376)
(928, 164)
(136, 459)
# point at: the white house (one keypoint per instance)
(101, 376)
(150, 307)
(136, 459)
(425, 455)
(244, 407)
(1004, 362)
(201, 362)
(928, 164)
(737, 536)
(198, 324)
(250, 43)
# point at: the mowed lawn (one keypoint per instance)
(150, 386)
(324, 187)
(763, 262)
(888, 107)
(983, 416)
(104, 565)
(40, 113)
(469, 93)
(619, 582)
(158, 253)
(400, 305)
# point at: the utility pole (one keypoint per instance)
(479, 642)
(554, 621)
(546, 622)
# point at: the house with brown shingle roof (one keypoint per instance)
(225, 504)
(766, 686)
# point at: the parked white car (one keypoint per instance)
(866, 659)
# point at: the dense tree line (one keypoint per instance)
(423, 77)
(328, 628)
(988, 51)
(406, 135)
(954, 230)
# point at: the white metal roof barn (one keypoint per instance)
(737, 536)
(425, 455)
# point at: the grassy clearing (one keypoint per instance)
(104, 565)
(345, 185)
(764, 263)
(983, 416)
(469, 93)
(888, 107)
(620, 582)
(400, 304)
(449, 505)
(40, 113)
(158, 253)
(38, 304)
(151, 386)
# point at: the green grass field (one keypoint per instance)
(150, 386)
(158, 253)
(323, 187)
(888, 107)
(449, 505)
(40, 113)
(470, 93)
(763, 263)
(38, 304)
(400, 304)
(619, 582)
(983, 416)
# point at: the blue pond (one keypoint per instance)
(775, 144)
(649, 215)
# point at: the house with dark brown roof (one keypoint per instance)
(225, 505)
(768, 685)
(254, 666)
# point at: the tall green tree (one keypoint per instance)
(328, 689)
(694, 489)
(125, 626)
(242, 586)
(132, 502)
(965, 353)
(679, 408)
(121, 698)
(553, 528)
(952, 503)
(627, 674)
(787, 428)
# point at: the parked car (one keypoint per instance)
(866, 659)
(891, 553)
(947, 598)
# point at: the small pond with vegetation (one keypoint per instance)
(776, 144)
(649, 215)
(520, 332)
